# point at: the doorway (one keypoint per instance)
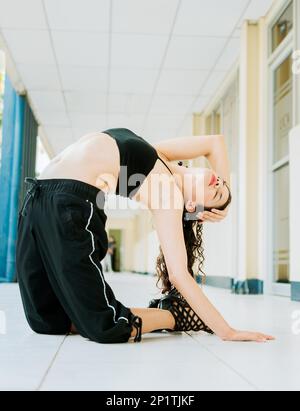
(117, 257)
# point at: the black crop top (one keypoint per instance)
(137, 159)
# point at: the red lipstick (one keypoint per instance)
(213, 180)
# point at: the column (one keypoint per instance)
(248, 228)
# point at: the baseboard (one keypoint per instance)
(252, 287)
(237, 287)
(295, 291)
(142, 272)
(216, 281)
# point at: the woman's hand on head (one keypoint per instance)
(245, 336)
(213, 216)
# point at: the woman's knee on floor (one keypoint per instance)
(121, 333)
(48, 328)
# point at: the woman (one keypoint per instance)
(61, 243)
(109, 260)
(112, 246)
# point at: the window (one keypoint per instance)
(283, 122)
(212, 127)
(282, 27)
(283, 108)
(213, 123)
(208, 124)
(281, 225)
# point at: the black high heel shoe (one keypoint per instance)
(154, 303)
(185, 318)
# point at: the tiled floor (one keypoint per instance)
(162, 361)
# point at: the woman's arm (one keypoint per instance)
(219, 159)
(188, 148)
(188, 287)
(168, 224)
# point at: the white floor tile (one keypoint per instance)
(162, 361)
(24, 356)
(270, 366)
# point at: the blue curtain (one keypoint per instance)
(10, 173)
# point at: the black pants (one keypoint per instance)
(61, 241)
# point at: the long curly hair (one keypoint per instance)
(193, 237)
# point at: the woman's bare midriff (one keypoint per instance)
(95, 159)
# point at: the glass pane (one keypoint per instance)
(281, 267)
(217, 123)
(282, 27)
(208, 124)
(213, 123)
(283, 108)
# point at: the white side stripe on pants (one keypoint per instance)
(93, 262)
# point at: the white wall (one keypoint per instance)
(297, 47)
(139, 239)
(153, 251)
(219, 252)
(145, 244)
(295, 203)
(127, 227)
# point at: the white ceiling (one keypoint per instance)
(141, 64)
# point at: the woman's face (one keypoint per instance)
(206, 188)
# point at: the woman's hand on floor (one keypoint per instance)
(235, 335)
(213, 216)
